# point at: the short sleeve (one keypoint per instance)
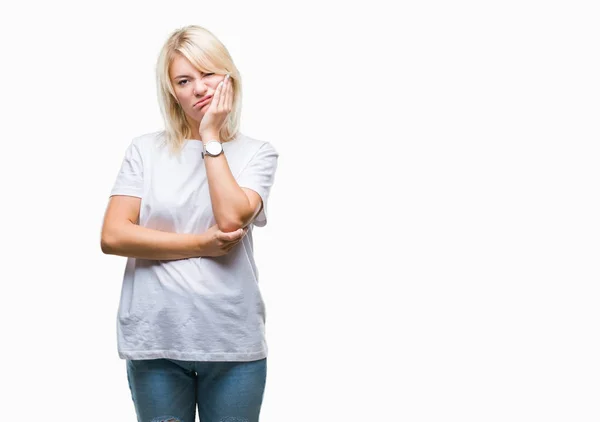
(259, 175)
(131, 175)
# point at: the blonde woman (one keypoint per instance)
(191, 319)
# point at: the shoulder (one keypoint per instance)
(149, 144)
(149, 140)
(253, 146)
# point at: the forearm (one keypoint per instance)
(132, 240)
(230, 204)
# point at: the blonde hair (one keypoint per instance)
(208, 55)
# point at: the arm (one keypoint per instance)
(121, 235)
(233, 207)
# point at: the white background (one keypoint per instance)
(433, 237)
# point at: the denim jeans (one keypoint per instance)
(169, 390)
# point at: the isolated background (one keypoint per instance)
(433, 237)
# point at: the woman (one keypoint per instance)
(191, 317)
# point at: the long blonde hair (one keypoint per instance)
(208, 55)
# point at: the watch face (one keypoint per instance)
(214, 148)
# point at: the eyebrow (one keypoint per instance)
(187, 76)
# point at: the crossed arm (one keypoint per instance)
(233, 207)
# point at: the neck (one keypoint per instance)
(194, 126)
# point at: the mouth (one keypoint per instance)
(202, 102)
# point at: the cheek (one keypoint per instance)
(214, 83)
(182, 99)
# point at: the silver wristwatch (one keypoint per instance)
(212, 148)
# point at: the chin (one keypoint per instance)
(194, 118)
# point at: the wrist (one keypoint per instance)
(201, 242)
(207, 136)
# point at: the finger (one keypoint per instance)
(222, 91)
(236, 235)
(229, 101)
(217, 97)
(227, 89)
(228, 93)
(227, 236)
(240, 237)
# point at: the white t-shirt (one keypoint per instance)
(200, 309)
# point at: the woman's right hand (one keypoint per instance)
(218, 243)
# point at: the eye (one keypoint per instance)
(180, 82)
(208, 74)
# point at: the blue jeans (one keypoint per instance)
(169, 390)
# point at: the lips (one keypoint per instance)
(203, 101)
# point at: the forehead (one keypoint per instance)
(181, 66)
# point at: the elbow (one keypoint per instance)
(230, 224)
(106, 246)
(113, 240)
(235, 221)
(107, 243)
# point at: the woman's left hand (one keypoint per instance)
(219, 109)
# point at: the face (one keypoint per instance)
(191, 86)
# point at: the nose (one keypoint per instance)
(199, 88)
